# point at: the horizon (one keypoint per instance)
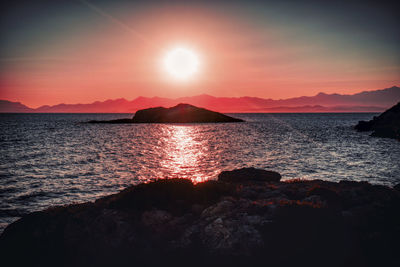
(85, 51)
(199, 95)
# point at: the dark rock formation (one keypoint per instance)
(235, 221)
(249, 174)
(182, 113)
(385, 125)
(397, 187)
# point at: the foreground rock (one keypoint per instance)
(182, 113)
(385, 125)
(258, 221)
(248, 175)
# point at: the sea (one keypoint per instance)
(58, 159)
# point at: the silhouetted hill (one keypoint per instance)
(13, 107)
(109, 106)
(181, 113)
(367, 101)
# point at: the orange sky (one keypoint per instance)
(119, 54)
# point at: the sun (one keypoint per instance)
(181, 63)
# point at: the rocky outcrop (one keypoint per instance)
(182, 113)
(249, 175)
(385, 125)
(245, 218)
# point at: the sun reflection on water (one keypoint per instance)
(183, 150)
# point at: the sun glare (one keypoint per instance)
(181, 63)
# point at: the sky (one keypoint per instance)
(81, 51)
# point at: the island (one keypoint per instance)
(385, 125)
(247, 217)
(181, 113)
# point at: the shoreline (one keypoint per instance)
(246, 217)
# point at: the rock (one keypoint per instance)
(243, 219)
(364, 126)
(249, 174)
(397, 187)
(218, 210)
(385, 125)
(156, 218)
(231, 237)
(325, 193)
(181, 113)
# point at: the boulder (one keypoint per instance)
(181, 113)
(249, 174)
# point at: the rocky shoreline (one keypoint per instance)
(248, 217)
(386, 124)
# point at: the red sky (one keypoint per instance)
(104, 52)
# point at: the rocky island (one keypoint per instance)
(181, 113)
(248, 217)
(385, 125)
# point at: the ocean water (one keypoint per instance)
(55, 159)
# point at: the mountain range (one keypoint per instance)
(366, 101)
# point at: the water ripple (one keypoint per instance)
(53, 159)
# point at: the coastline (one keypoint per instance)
(247, 217)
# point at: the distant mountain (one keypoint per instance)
(367, 101)
(13, 107)
(321, 109)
